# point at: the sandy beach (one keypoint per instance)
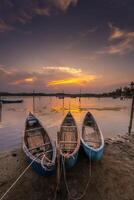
(112, 178)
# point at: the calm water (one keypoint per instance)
(112, 116)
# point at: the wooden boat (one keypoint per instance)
(68, 141)
(92, 139)
(6, 101)
(38, 147)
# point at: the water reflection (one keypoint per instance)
(111, 114)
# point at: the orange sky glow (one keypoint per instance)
(29, 80)
(77, 80)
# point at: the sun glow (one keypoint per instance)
(29, 80)
(78, 80)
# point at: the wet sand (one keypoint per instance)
(112, 178)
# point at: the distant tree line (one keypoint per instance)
(125, 92)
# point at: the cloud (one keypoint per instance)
(119, 49)
(5, 71)
(51, 5)
(24, 11)
(79, 37)
(116, 33)
(71, 76)
(86, 33)
(44, 77)
(8, 3)
(78, 80)
(43, 11)
(23, 17)
(63, 4)
(28, 80)
(68, 70)
(14, 76)
(4, 27)
(120, 42)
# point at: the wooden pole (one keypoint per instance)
(63, 106)
(80, 100)
(69, 106)
(63, 102)
(0, 112)
(131, 116)
(33, 101)
(132, 110)
(58, 163)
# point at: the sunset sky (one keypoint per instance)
(51, 45)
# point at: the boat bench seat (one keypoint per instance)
(68, 142)
(44, 152)
(34, 132)
(67, 149)
(34, 129)
(30, 149)
(68, 126)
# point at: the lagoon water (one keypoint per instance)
(112, 116)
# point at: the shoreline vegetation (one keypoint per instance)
(125, 92)
(111, 178)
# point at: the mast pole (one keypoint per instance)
(33, 101)
(132, 109)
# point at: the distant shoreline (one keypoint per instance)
(63, 95)
(122, 93)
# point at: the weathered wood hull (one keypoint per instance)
(6, 101)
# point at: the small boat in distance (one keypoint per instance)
(69, 141)
(38, 147)
(92, 139)
(6, 101)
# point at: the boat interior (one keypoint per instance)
(37, 140)
(68, 135)
(90, 133)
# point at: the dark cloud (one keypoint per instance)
(63, 4)
(79, 37)
(24, 11)
(4, 27)
(121, 42)
(43, 11)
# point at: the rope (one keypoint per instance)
(101, 198)
(50, 163)
(25, 170)
(57, 186)
(60, 172)
(67, 187)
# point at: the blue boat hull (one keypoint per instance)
(91, 153)
(40, 170)
(71, 161)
